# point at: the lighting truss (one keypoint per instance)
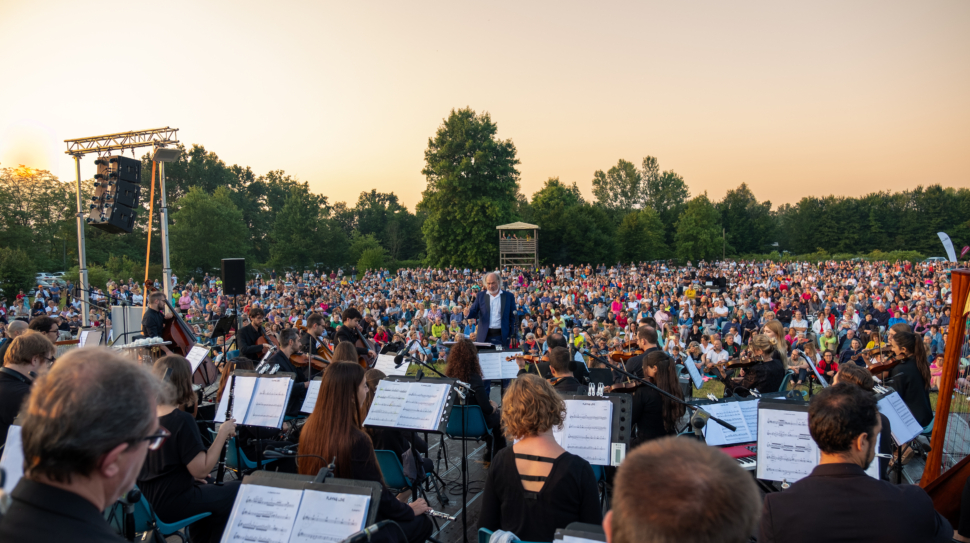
(158, 137)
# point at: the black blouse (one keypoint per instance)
(569, 494)
(908, 382)
(647, 413)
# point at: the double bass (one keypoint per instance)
(182, 339)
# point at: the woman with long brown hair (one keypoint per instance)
(463, 365)
(655, 415)
(335, 431)
(345, 351)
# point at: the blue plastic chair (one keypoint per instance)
(393, 471)
(475, 426)
(785, 380)
(232, 354)
(144, 515)
(233, 460)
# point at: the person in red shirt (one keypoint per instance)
(828, 365)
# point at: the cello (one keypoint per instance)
(365, 360)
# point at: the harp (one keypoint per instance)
(948, 464)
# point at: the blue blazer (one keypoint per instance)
(481, 309)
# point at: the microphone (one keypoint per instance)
(368, 532)
(399, 357)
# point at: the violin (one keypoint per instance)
(301, 360)
(887, 363)
(622, 356)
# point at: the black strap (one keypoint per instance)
(535, 458)
(536, 478)
(16, 375)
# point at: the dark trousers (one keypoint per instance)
(207, 498)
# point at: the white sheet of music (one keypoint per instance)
(385, 363)
(12, 461)
(495, 367)
(735, 414)
(329, 516)
(311, 396)
(786, 450)
(388, 401)
(423, 405)
(242, 395)
(416, 406)
(587, 430)
(196, 356)
(269, 402)
(89, 338)
(904, 426)
(263, 513)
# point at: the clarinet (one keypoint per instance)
(225, 447)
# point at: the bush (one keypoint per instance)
(17, 272)
(370, 259)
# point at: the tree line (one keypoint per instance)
(639, 212)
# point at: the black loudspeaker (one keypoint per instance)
(124, 169)
(233, 276)
(113, 218)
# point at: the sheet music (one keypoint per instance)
(495, 367)
(311, 396)
(329, 516)
(786, 450)
(587, 430)
(734, 414)
(695, 375)
(408, 405)
(385, 363)
(89, 338)
(196, 356)
(903, 424)
(263, 514)
(388, 401)
(423, 405)
(12, 461)
(268, 405)
(241, 398)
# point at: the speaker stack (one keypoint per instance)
(117, 190)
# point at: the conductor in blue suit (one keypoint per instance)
(495, 310)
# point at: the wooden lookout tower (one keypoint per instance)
(517, 244)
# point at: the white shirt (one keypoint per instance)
(495, 312)
(715, 357)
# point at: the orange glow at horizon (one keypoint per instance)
(794, 99)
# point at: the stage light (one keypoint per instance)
(164, 154)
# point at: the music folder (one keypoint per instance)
(294, 509)
(258, 400)
(596, 428)
(405, 403)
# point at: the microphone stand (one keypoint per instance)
(464, 441)
(698, 413)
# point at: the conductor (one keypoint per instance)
(495, 311)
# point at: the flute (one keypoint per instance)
(221, 474)
(439, 514)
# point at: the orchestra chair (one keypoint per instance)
(232, 354)
(234, 460)
(786, 380)
(144, 517)
(918, 447)
(475, 427)
(394, 477)
(484, 534)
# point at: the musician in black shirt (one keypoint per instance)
(911, 378)
(153, 321)
(248, 336)
(647, 342)
(350, 333)
(314, 329)
(289, 345)
(562, 379)
(764, 376)
(28, 357)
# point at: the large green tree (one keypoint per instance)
(699, 231)
(620, 188)
(640, 236)
(666, 193)
(206, 229)
(748, 223)
(304, 235)
(571, 230)
(472, 187)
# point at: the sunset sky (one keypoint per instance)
(793, 98)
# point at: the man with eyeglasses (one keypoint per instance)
(82, 460)
(29, 356)
(46, 326)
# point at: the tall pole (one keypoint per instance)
(166, 263)
(81, 257)
(723, 243)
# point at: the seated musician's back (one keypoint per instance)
(839, 501)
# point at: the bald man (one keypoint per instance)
(14, 329)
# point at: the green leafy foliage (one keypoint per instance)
(371, 259)
(640, 236)
(698, 231)
(206, 229)
(17, 272)
(472, 188)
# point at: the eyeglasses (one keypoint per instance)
(155, 440)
